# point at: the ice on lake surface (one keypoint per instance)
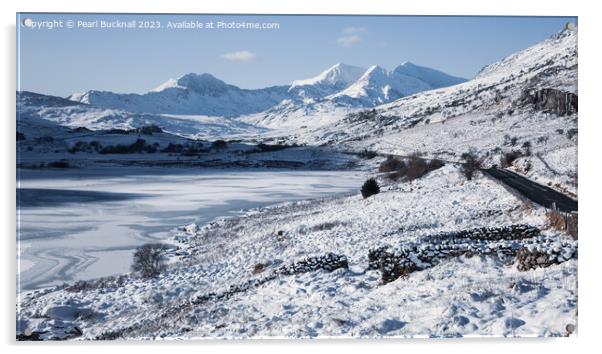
(85, 224)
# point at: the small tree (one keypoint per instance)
(370, 187)
(471, 164)
(149, 259)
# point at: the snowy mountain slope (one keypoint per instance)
(332, 80)
(73, 114)
(378, 86)
(191, 94)
(498, 111)
(434, 78)
(374, 86)
(194, 94)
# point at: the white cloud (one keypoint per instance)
(351, 30)
(243, 55)
(348, 41)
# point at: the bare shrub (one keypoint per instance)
(562, 222)
(391, 164)
(417, 167)
(107, 283)
(259, 268)
(471, 164)
(149, 260)
(509, 157)
(555, 220)
(409, 169)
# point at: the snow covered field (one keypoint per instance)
(478, 295)
(85, 224)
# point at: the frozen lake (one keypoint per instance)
(85, 224)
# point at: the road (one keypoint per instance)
(536, 192)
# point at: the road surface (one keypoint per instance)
(536, 192)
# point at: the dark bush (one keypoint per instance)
(194, 149)
(59, 164)
(219, 144)
(391, 164)
(368, 154)
(95, 145)
(370, 187)
(471, 165)
(149, 260)
(110, 282)
(82, 146)
(173, 148)
(20, 136)
(570, 133)
(259, 268)
(509, 157)
(149, 129)
(411, 168)
(186, 150)
(417, 167)
(139, 146)
(270, 148)
(510, 140)
(117, 131)
(45, 139)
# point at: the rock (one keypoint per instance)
(513, 323)
(551, 101)
(191, 229)
(390, 325)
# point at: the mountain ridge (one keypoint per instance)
(204, 94)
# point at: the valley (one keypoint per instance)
(357, 203)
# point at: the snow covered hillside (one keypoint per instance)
(74, 115)
(524, 104)
(43, 143)
(309, 273)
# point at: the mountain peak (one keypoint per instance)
(408, 64)
(192, 80)
(339, 75)
(201, 83)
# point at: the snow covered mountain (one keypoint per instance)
(378, 86)
(190, 94)
(328, 82)
(203, 94)
(526, 99)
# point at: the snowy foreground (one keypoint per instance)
(254, 276)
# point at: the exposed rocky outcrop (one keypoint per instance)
(551, 101)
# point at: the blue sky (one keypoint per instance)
(61, 61)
